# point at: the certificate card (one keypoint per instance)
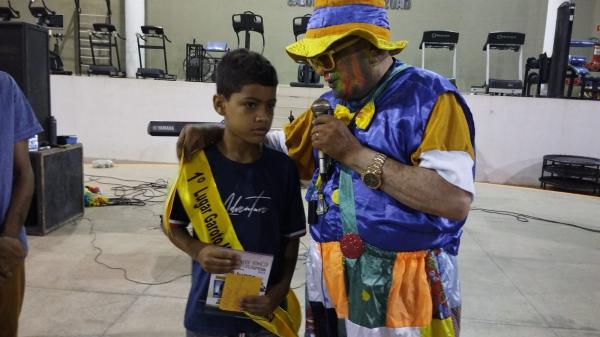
(250, 279)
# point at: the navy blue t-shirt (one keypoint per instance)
(265, 206)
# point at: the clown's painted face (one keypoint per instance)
(346, 68)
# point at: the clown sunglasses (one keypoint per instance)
(324, 61)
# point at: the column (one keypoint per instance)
(551, 25)
(135, 17)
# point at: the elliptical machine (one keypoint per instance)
(307, 76)
(48, 18)
(9, 13)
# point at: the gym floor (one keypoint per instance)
(534, 278)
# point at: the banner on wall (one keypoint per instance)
(389, 4)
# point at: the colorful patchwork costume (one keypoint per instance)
(404, 282)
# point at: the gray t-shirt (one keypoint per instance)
(17, 123)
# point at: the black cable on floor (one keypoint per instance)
(525, 218)
(125, 273)
(131, 194)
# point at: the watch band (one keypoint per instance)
(376, 165)
(372, 176)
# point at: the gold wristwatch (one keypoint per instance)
(372, 176)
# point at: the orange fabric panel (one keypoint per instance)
(409, 302)
(332, 3)
(297, 140)
(333, 272)
(446, 130)
(379, 32)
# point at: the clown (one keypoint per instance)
(389, 215)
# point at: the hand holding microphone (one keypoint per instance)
(332, 137)
(321, 107)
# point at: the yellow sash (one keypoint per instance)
(202, 203)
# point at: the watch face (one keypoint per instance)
(372, 180)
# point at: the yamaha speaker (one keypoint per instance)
(24, 55)
(58, 196)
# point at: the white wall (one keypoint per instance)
(110, 117)
(514, 133)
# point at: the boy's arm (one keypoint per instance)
(265, 305)
(213, 259)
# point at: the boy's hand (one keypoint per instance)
(218, 260)
(194, 137)
(260, 305)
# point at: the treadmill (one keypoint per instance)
(504, 41)
(153, 33)
(103, 38)
(440, 39)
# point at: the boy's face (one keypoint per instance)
(248, 114)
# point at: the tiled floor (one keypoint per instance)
(534, 279)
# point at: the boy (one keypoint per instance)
(257, 189)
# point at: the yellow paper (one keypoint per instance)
(237, 287)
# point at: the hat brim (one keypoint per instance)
(311, 47)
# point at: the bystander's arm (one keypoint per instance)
(22, 192)
(11, 249)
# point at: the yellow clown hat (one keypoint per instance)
(332, 20)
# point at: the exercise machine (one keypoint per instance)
(440, 39)
(307, 76)
(502, 41)
(200, 62)
(580, 71)
(104, 38)
(248, 22)
(153, 33)
(9, 13)
(536, 72)
(49, 19)
(46, 17)
(84, 23)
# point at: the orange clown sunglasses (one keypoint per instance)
(324, 61)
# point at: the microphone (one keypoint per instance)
(322, 107)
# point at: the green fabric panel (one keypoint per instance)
(346, 195)
(368, 282)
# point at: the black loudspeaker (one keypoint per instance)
(560, 51)
(24, 55)
(58, 196)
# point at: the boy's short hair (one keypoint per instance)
(241, 67)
